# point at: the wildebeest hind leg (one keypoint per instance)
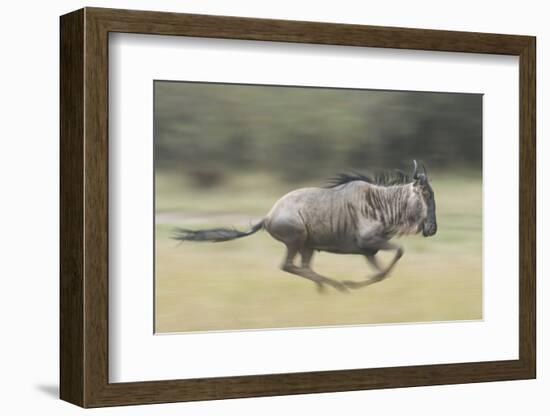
(305, 271)
(308, 273)
(288, 262)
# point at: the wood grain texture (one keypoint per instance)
(84, 207)
(71, 208)
(162, 23)
(528, 207)
(96, 208)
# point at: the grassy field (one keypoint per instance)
(238, 284)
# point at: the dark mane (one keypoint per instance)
(386, 178)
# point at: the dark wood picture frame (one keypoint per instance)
(84, 207)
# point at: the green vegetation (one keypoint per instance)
(203, 131)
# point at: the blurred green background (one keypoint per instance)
(224, 154)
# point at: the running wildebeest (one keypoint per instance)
(354, 214)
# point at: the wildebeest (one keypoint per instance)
(353, 214)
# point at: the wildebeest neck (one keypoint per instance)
(398, 208)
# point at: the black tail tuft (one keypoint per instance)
(214, 235)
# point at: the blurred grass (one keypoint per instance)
(238, 285)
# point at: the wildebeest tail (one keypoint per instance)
(214, 235)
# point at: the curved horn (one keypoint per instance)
(415, 172)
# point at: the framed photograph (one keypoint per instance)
(254, 207)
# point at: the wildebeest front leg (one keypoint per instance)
(371, 258)
(373, 261)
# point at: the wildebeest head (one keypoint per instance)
(424, 189)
